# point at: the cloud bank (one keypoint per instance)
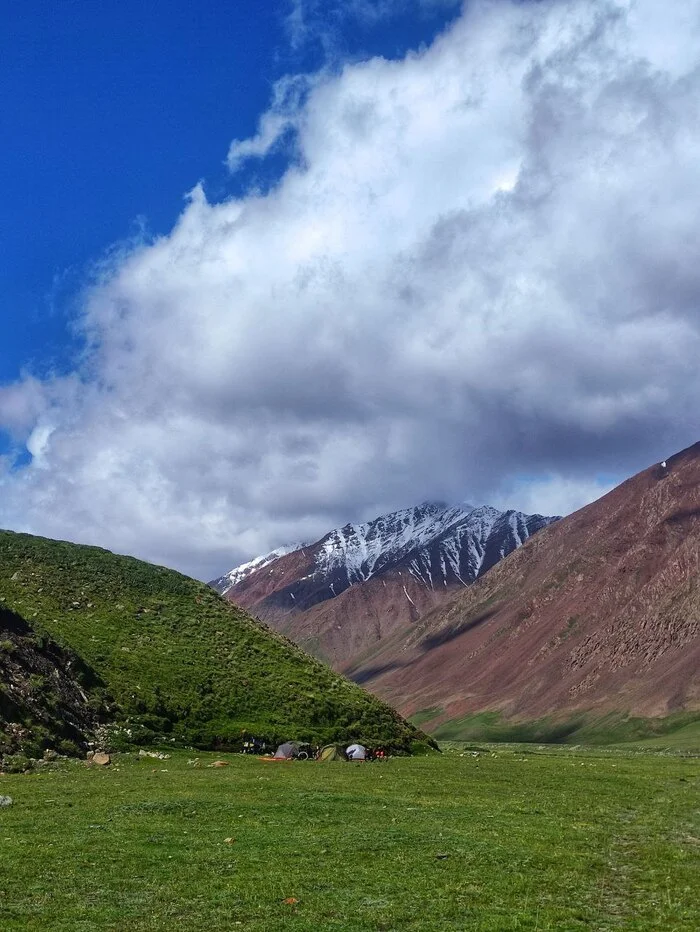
(478, 277)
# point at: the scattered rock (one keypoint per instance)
(229, 841)
(101, 758)
(5, 801)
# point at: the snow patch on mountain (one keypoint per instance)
(360, 551)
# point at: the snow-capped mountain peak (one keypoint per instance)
(438, 544)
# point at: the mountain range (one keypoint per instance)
(469, 621)
(342, 595)
(462, 620)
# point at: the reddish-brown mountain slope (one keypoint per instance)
(599, 611)
(342, 630)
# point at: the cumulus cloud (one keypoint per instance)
(481, 264)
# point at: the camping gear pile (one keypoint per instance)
(297, 750)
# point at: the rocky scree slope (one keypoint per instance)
(174, 658)
(598, 613)
(344, 594)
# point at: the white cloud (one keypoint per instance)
(38, 442)
(481, 265)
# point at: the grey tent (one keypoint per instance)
(289, 750)
(356, 752)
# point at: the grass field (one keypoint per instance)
(512, 839)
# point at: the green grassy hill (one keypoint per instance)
(177, 660)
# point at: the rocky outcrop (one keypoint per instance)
(44, 693)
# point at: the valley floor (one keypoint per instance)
(506, 838)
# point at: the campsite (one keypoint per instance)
(491, 838)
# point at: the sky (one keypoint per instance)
(269, 268)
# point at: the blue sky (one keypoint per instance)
(114, 111)
(271, 267)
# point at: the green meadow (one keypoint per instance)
(492, 838)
